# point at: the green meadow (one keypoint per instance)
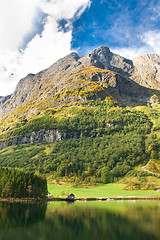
(101, 190)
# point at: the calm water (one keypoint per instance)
(80, 221)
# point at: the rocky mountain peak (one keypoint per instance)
(102, 53)
(93, 76)
(102, 56)
(148, 57)
(148, 60)
(72, 56)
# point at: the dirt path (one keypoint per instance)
(144, 168)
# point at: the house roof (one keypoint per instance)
(71, 195)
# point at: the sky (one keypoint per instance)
(36, 33)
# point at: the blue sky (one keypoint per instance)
(36, 33)
(123, 24)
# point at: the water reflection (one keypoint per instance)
(80, 221)
(21, 214)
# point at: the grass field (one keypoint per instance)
(103, 190)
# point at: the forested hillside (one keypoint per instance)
(86, 119)
(103, 141)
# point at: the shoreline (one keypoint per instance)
(56, 199)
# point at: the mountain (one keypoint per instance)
(95, 117)
(97, 75)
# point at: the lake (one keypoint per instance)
(108, 220)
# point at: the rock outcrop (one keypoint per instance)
(41, 136)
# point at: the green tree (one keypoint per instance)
(7, 190)
(106, 175)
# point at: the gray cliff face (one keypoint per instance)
(2, 101)
(37, 87)
(127, 82)
(147, 71)
(41, 136)
(23, 90)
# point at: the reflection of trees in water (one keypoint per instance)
(21, 214)
(91, 224)
(70, 223)
(146, 215)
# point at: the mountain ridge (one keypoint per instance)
(109, 73)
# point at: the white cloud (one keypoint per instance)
(64, 8)
(150, 43)
(16, 20)
(132, 52)
(152, 40)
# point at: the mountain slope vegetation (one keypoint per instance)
(103, 142)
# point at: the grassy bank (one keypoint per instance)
(103, 190)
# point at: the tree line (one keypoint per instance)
(19, 184)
